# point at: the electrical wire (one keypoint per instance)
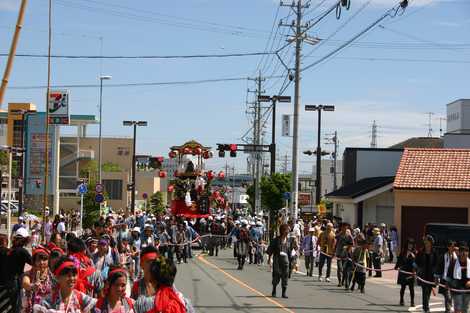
(390, 13)
(191, 56)
(410, 60)
(168, 83)
(342, 26)
(152, 19)
(266, 48)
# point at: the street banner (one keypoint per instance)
(286, 125)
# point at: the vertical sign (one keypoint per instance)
(286, 125)
(35, 145)
(58, 106)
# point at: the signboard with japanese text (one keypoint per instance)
(286, 125)
(305, 199)
(35, 144)
(58, 106)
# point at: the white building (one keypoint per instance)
(458, 124)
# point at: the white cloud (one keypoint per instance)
(9, 5)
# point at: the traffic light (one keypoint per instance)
(225, 147)
(310, 152)
(233, 150)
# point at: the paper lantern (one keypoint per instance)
(160, 159)
(221, 175)
(210, 175)
(171, 188)
(173, 154)
(197, 151)
(187, 150)
(162, 174)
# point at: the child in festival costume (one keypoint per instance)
(114, 299)
(145, 286)
(37, 283)
(167, 299)
(65, 298)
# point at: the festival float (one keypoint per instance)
(190, 189)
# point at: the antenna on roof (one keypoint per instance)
(429, 125)
(373, 143)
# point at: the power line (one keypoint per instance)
(191, 56)
(411, 60)
(390, 13)
(169, 22)
(169, 83)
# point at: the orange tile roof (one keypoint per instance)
(444, 169)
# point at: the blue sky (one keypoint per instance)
(415, 63)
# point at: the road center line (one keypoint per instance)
(281, 306)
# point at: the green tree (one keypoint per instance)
(111, 167)
(272, 191)
(4, 158)
(157, 202)
(91, 209)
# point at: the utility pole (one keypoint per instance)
(257, 140)
(373, 143)
(298, 10)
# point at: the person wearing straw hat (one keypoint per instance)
(360, 261)
(377, 251)
(309, 249)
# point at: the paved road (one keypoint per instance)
(214, 285)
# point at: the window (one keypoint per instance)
(113, 187)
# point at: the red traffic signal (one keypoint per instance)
(233, 150)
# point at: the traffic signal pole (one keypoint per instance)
(318, 180)
(273, 140)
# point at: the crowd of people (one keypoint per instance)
(91, 272)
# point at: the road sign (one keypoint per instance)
(58, 107)
(286, 195)
(99, 188)
(145, 195)
(99, 198)
(82, 189)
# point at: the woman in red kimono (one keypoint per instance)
(65, 298)
(37, 283)
(114, 299)
(167, 299)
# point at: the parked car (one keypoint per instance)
(443, 232)
(13, 206)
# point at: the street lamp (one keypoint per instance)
(133, 170)
(273, 99)
(102, 77)
(319, 108)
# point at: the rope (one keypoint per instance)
(400, 271)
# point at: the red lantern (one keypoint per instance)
(173, 154)
(162, 174)
(160, 159)
(197, 151)
(216, 195)
(210, 175)
(221, 175)
(187, 150)
(171, 188)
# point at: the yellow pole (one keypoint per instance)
(11, 55)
